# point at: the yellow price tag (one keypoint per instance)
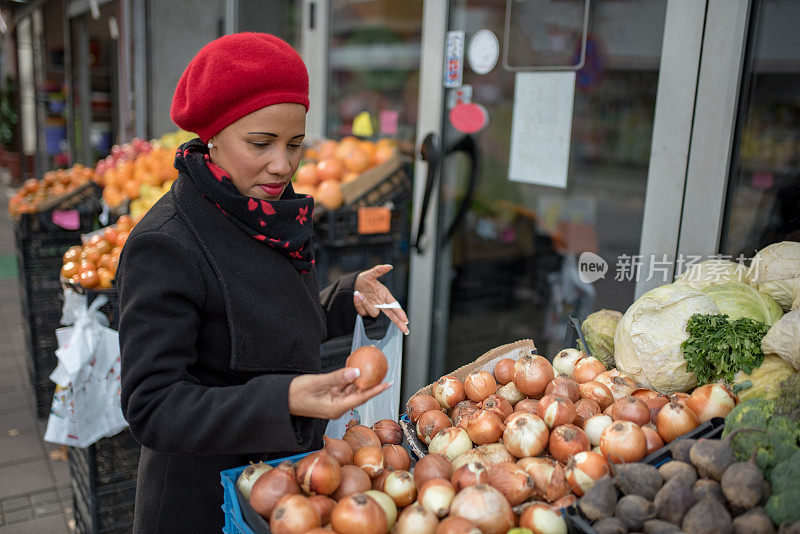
(362, 125)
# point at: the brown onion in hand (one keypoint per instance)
(271, 487)
(294, 514)
(358, 514)
(631, 409)
(484, 506)
(396, 457)
(318, 473)
(468, 475)
(556, 410)
(372, 363)
(675, 419)
(449, 391)
(478, 385)
(430, 423)
(498, 405)
(525, 435)
(354, 480)
(388, 431)
(339, 450)
(358, 436)
(586, 369)
(419, 404)
(432, 466)
(504, 371)
(532, 373)
(484, 427)
(623, 442)
(584, 409)
(566, 441)
(564, 386)
(598, 393)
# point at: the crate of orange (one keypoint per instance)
(122, 178)
(62, 189)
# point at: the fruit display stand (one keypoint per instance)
(41, 242)
(103, 481)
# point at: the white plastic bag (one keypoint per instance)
(86, 404)
(387, 404)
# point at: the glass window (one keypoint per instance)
(763, 202)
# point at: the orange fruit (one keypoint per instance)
(346, 145)
(301, 189)
(105, 278)
(69, 269)
(92, 254)
(89, 279)
(327, 149)
(330, 169)
(357, 160)
(350, 176)
(110, 234)
(124, 223)
(121, 238)
(73, 254)
(329, 194)
(307, 175)
(383, 154)
(311, 153)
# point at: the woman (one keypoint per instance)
(221, 319)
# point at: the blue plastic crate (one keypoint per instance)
(234, 519)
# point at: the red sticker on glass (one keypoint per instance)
(469, 118)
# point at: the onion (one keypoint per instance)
(498, 405)
(504, 371)
(388, 431)
(370, 459)
(548, 477)
(598, 393)
(680, 397)
(512, 481)
(584, 409)
(654, 441)
(623, 442)
(608, 410)
(468, 475)
(372, 363)
(584, 469)
(564, 502)
(621, 386)
(324, 506)
(416, 520)
(358, 436)
(711, 400)
(478, 385)
(432, 466)
(457, 525)
(644, 394)
(542, 519)
(655, 406)
(566, 441)
(294, 514)
(631, 409)
(419, 404)
(675, 420)
(606, 376)
(318, 473)
(556, 410)
(430, 423)
(564, 386)
(358, 514)
(354, 480)
(339, 450)
(387, 504)
(377, 484)
(586, 369)
(487, 455)
(532, 373)
(594, 427)
(525, 435)
(449, 391)
(436, 495)
(526, 405)
(484, 427)
(510, 393)
(399, 485)
(485, 507)
(249, 476)
(396, 457)
(451, 443)
(564, 362)
(461, 412)
(271, 486)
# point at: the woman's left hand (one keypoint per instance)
(369, 293)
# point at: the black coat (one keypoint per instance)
(213, 327)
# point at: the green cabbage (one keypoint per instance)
(647, 344)
(598, 330)
(712, 272)
(783, 339)
(775, 270)
(764, 382)
(740, 300)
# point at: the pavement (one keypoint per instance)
(35, 495)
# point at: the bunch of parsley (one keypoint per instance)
(718, 348)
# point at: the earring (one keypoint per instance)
(210, 145)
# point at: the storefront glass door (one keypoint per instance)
(509, 270)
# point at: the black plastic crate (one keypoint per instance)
(40, 367)
(340, 227)
(103, 480)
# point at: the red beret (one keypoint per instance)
(234, 76)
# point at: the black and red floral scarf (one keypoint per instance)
(283, 224)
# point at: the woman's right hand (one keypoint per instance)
(329, 395)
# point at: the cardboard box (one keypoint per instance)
(515, 351)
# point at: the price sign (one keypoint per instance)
(374, 220)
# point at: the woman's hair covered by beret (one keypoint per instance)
(234, 76)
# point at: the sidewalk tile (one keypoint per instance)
(17, 503)
(24, 446)
(18, 515)
(25, 478)
(22, 420)
(54, 524)
(14, 400)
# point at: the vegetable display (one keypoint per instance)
(783, 339)
(598, 331)
(93, 265)
(718, 348)
(737, 300)
(764, 381)
(775, 270)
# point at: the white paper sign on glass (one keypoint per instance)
(483, 51)
(541, 127)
